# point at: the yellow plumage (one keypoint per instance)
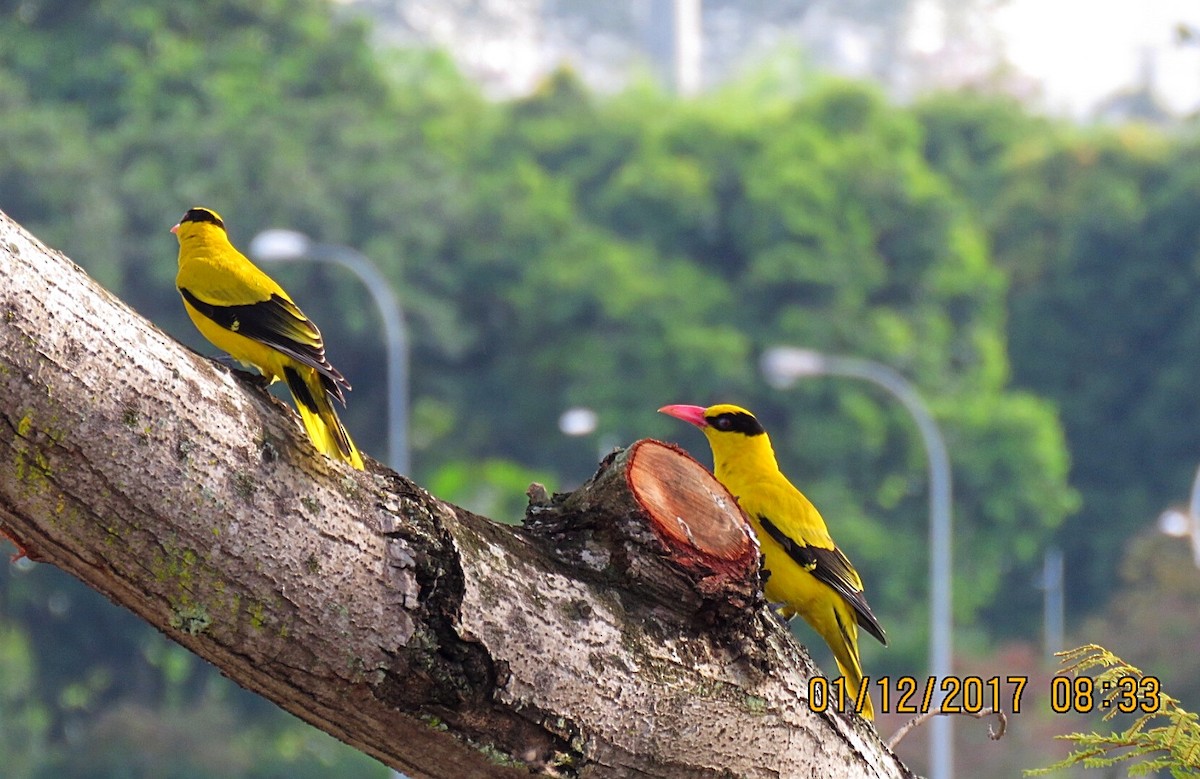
(243, 311)
(808, 574)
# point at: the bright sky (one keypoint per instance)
(1085, 50)
(1070, 54)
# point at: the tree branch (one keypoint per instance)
(919, 720)
(620, 632)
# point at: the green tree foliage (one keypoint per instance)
(23, 718)
(1097, 230)
(1117, 306)
(561, 250)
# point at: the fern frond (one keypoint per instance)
(1164, 737)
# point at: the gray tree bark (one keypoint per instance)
(618, 633)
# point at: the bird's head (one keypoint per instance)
(738, 440)
(718, 420)
(732, 431)
(198, 221)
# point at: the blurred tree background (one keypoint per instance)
(1034, 279)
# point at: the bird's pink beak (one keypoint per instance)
(175, 230)
(693, 414)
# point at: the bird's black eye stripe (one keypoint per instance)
(736, 422)
(202, 215)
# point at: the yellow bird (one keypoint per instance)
(808, 574)
(243, 311)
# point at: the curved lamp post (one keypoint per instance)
(287, 246)
(782, 366)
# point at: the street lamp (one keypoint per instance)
(782, 366)
(1185, 522)
(578, 421)
(288, 246)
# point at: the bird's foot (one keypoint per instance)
(782, 613)
(235, 367)
(228, 361)
(257, 379)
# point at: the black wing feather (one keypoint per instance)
(268, 322)
(832, 567)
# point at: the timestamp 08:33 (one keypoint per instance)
(976, 694)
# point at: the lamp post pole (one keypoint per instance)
(1053, 601)
(783, 366)
(288, 245)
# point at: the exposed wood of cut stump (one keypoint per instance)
(692, 521)
(691, 512)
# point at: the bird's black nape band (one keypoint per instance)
(202, 215)
(736, 422)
